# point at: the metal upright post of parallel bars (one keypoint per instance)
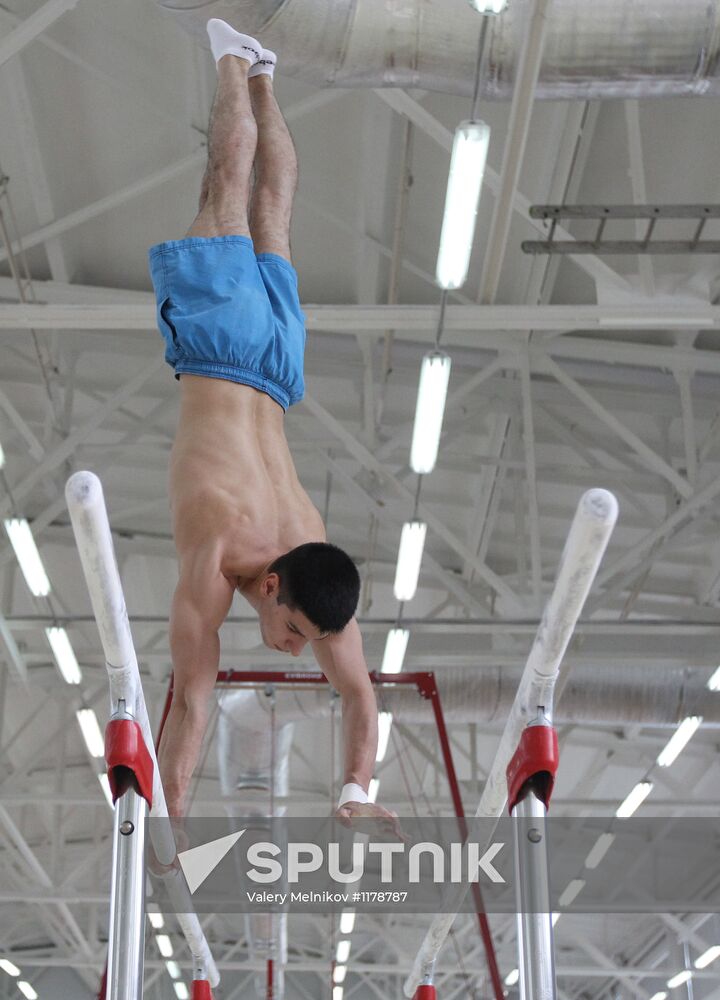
(132, 765)
(519, 758)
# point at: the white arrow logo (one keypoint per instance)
(199, 862)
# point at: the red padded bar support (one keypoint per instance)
(425, 993)
(201, 990)
(536, 754)
(125, 751)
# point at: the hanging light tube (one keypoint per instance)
(489, 6)
(107, 791)
(64, 654)
(347, 922)
(373, 789)
(384, 727)
(599, 850)
(679, 979)
(343, 952)
(395, 647)
(571, 891)
(707, 957)
(94, 740)
(679, 740)
(429, 411)
(635, 799)
(412, 542)
(164, 945)
(23, 543)
(467, 166)
(714, 682)
(7, 966)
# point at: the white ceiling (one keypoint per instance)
(110, 102)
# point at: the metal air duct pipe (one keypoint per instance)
(607, 49)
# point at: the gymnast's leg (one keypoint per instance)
(276, 172)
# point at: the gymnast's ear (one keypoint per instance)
(270, 586)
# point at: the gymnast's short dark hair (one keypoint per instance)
(321, 581)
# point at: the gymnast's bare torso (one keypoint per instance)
(234, 490)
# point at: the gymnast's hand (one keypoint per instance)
(389, 822)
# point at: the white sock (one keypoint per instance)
(265, 64)
(225, 41)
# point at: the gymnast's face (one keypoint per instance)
(282, 629)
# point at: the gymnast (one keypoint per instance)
(228, 309)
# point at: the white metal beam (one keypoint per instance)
(418, 318)
(514, 152)
(53, 458)
(639, 190)
(652, 460)
(33, 26)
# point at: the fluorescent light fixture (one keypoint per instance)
(91, 731)
(340, 973)
(467, 166)
(27, 990)
(599, 850)
(164, 945)
(512, 977)
(173, 969)
(107, 791)
(636, 798)
(679, 979)
(64, 654)
(395, 647)
(412, 542)
(373, 789)
(429, 411)
(489, 6)
(707, 957)
(337, 993)
(347, 922)
(181, 991)
(571, 891)
(2, 457)
(156, 919)
(555, 918)
(661, 995)
(714, 682)
(7, 966)
(343, 952)
(384, 727)
(679, 740)
(23, 543)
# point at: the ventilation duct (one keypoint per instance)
(255, 734)
(609, 695)
(254, 756)
(647, 48)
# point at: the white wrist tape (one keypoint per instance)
(352, 793)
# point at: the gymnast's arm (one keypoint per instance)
(341, 659)
(202, 600)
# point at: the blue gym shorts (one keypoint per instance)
(227, 312)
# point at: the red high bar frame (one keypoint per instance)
(424, 682)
